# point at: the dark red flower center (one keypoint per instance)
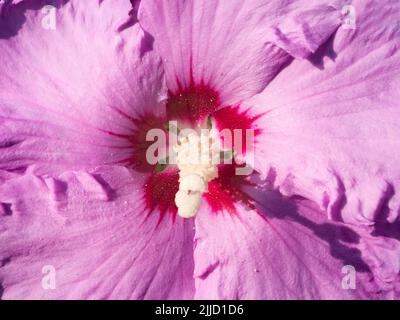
(191, 106)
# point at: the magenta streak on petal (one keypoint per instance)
(225, 190)
(140, 145)
(192, 104)
(160, 190)
(233, 118)
(137, 139)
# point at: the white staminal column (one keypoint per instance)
(197, 157)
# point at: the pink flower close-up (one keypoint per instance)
(304, 201)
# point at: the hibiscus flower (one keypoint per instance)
(84, 215)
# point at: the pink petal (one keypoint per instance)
(229, 46)
(306, 25)
(6, 175)
(94, 230)
(331, 130)
(68, 96)
(289, 252)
